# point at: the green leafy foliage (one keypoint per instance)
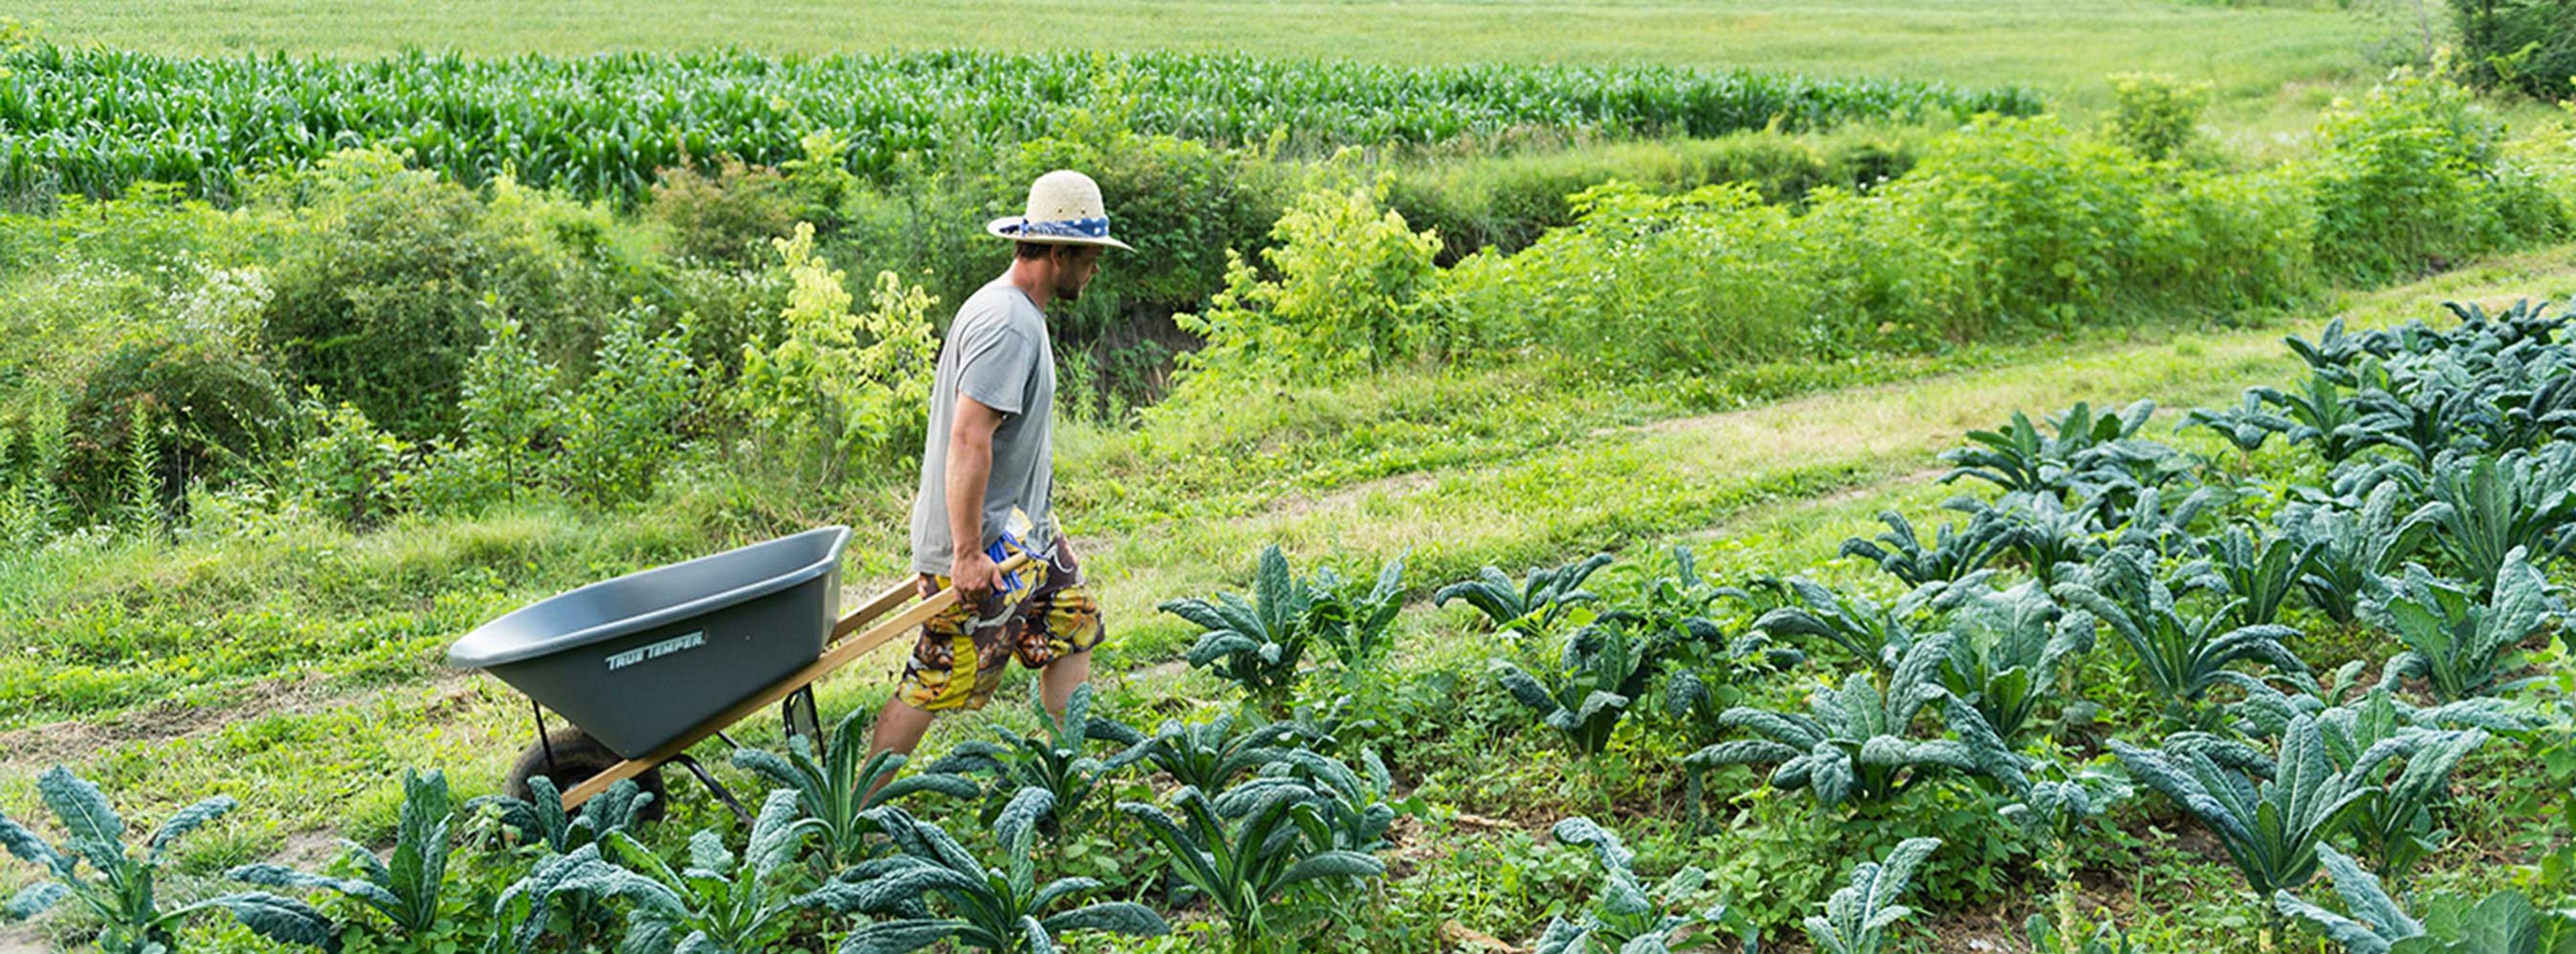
(1347, 299)
(2180, 656)
(1356, 625)
(621, 427)
(1874, 635)
(1210, 755)
(1626, 916)
(2374, 923)
(1355, 808)
(2254, 571)
(1601, 675)
(2271, 814)
(406, 888)
(716, 903)
(2082, 457)
(543, 820)
(1956, 551)
(2350, 550)
(833, 389)
(2413, 177)
(2319, 412)
(1536, 605)
(2408, 767)
(1857, 743)
(836, 789)
(1000, 908)
(1250, 864)
(1057, 761)
(119, 889)
(2486, 508)
(1858, 916)
(1259, 644)
(2006, 651)
(2247, 426)
(2458, 644)
(2153, 115)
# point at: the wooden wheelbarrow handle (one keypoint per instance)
(839, 652)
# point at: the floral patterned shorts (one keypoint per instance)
(1044, 615)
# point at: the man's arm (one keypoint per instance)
(970, 467)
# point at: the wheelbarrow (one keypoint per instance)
(647, 665)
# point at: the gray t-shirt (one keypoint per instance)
(998, 353)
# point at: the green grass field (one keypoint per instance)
(2252, 55)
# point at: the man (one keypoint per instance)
(988, 458)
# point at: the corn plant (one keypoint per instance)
(1856, 743)
(2374, 923)
(2320, 414)
(120, 891)
(1250, 865)
(1001, 908)
(404, 889)
(836, 789)
(543, 820)
(2351, 549)
(1536, 605)
(1056, 760)
(1602, 673)
(1956, 551)
(2460, 645)
(2485, 508)
(1858, 916)
(2270, 814)
(1256, 644)
(1625, 916)
(2255, 575)
(2181, 656)
(2006, 648)
(2248, 425)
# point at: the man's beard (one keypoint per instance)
(1069, 293)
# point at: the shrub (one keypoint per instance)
(346, 467)
(830, 387)
(510, 406)
(2153, 115)
(728, 216)
(1346, 297)
(2411, 180)
(621, 428)
(2053, 220)
(216, 406)
(2529, 45)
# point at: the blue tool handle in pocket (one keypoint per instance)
(1000, 552)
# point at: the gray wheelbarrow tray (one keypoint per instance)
(652, 663)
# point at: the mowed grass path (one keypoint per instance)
(2065, 47)
(1770, 489)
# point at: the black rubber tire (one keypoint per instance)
(577, 757)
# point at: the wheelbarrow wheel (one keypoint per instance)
(577, 757)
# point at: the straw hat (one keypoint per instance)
(1064, 209)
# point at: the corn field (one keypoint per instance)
(93, 121)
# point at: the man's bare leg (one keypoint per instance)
(1060, 678)
(900, 726)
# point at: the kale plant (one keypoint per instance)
(1055, 760)
(2351, 548)
(1257, 644)
(1536, 605)
(2182, 656)
(2460, 645)
(1858, 915)
(1001, 909)
(2374, 923)
(838, 788)
(120, 890)
(2255, 574)
(2248, 425)
(2486, 508)
(2006, 648)
(1602, 673)
(1250, 863)
(1956, 551)
(406, 888)
(1857, 743)
(1625, 916)
(2271, 814)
